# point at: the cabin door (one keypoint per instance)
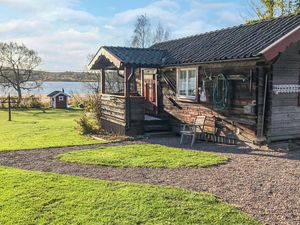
(151, 94)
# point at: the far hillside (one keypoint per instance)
(67, 76)
(62, 76)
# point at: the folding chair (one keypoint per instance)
(193, 129)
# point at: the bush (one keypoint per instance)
(87, 125)
(32, 102)
(94, 106)
(90, 122)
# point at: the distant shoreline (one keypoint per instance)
(47, 87)
(75, 81)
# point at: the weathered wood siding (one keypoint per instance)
(242, 92)
(113, 108)
(284, 114)
(122, 117)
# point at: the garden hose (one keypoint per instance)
(221, 92)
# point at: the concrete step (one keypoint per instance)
(157, 127)
(156, 122)
(159, 134)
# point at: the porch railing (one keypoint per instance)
(122, 114)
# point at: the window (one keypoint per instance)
(187, 83)
(60, 98)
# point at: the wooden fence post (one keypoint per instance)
(9, 108)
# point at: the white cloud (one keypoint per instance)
(18, 25)
(64, 35)
(61, 35)
(38, 5)
(164, 10)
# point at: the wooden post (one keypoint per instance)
(9, 108)
(250, 81)
(261, 102)
(142, 81)
(103, 81)
(199, 81)
(299, 93)
(127, 73)
(264, 104)
(156, 93)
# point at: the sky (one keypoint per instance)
(65, 32)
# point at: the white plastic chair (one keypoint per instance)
(193, 129)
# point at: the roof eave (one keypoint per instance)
(59, 93)
(106, 53)
(256, 57)
(281, 44)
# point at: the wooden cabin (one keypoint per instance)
(245, 79)
(58, 99)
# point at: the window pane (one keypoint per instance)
(191, 83)
(182, 82)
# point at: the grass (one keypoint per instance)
(44, 198)
(144, 155)
(40, 129)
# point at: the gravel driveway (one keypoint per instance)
(265, 184)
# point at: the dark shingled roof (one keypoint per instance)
(55, 93)
(244, 41)
(240, 42)
(146, 57)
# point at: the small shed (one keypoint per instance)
(58, 99)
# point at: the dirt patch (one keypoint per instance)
(264, 184)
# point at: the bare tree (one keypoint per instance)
(94, 76)
(142, 32)
(113, 79)
(143, 35)
(160, 34)
(17, 63)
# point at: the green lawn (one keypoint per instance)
(44, 198)
(40, 129)
(144, 155)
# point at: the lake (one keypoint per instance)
(48, 87)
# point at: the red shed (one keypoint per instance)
(59, 99)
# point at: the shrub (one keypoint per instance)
(32, 102)
(94, 106)
(90, 122)
(87, 125)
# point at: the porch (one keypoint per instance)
(136, 105)
(126, 96)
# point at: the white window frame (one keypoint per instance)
(187, 97)
(61, 98)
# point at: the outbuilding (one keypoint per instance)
(58, 99)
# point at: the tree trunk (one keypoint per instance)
(19, 95)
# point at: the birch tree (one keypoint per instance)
(142, 34)
(160, 34)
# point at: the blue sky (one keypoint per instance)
(64, 32)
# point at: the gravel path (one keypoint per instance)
(264, 184)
